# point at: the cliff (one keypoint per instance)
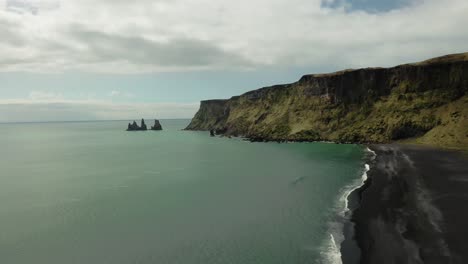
(424, 101)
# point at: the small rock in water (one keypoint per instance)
(157, 125)
(143, 125)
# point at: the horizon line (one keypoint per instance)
(87, 121)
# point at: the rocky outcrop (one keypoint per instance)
(424, 101)
(157, 125)
(134, 126)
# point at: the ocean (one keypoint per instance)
(90, 192)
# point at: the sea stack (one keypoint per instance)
(134, 126)
(143, 125)
(157, 126)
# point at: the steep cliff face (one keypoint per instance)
(211, 115)
(425, 100)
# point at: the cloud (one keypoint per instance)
(115, 93)
(31, 6)
(121, 94)
(52, 106)
(66, 110)
(370, 6)
(21, 6)
(45, 96)
(176, 53)
(116, 36)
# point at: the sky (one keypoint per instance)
(118, 59)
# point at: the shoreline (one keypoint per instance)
(349, 250)
(408, 210)
(397, 214)
(410, 142)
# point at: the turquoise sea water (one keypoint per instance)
(93, 193)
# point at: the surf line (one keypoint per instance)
(333, 251)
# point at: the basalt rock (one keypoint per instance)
(143, 125)
(134, 126)
(424, 101)
(157, 125)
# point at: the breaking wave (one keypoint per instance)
(331, 251)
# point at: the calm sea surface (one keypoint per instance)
(92, 193)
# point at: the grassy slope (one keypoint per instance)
(409, 109)
(452, 132)
(397, 116)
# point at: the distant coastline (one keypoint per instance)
(87, 121)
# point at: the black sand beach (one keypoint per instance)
(412, 209)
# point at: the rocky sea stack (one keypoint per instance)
(134, 126)
(425, 102)
(157, 125)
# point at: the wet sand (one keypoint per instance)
(412, 209)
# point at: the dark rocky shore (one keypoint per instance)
(412, 208)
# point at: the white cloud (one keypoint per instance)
(179, 35)
(45, 96)
(52, 106)
(66, 110)
(115, 93)
(121, 94)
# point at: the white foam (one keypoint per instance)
(351, 188)
(372, 152)
(332, 253)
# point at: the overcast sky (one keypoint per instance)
(119, 59)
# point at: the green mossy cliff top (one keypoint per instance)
(425, 102)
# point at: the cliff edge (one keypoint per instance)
(425, 102)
